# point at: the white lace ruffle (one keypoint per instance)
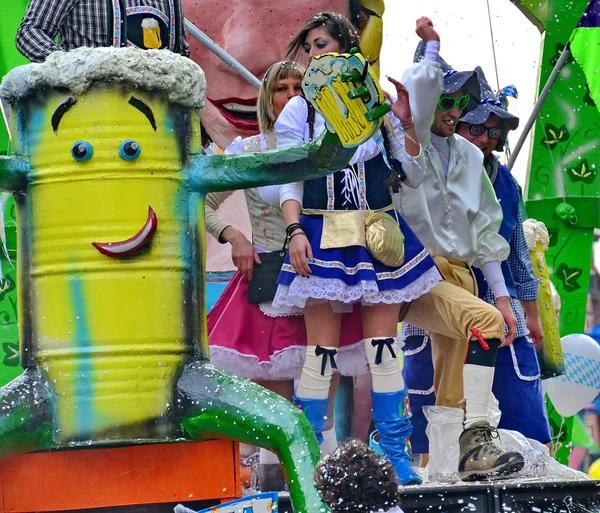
(287, 363)
(365, 291)
(277, 311)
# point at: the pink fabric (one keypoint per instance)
(250, 344)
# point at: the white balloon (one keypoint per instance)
(581, 383)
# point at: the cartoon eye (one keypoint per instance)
(129, 150)
(82, 151)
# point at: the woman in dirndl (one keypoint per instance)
(328, 274)
(247, 338)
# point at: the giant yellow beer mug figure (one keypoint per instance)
(109, 182)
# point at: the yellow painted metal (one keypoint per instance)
(110, 333)
(551, 355)
(371, 36)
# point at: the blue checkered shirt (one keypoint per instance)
(521, 268)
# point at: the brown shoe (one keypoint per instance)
(481, 458)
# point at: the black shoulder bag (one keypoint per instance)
(263, 286)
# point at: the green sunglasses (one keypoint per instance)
(447, 103)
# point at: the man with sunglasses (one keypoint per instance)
(455, 214)
(517, 384)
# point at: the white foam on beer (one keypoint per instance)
(179, 79)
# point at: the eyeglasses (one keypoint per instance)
(493, 131)
(447, 103)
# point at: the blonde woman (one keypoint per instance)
(248, 338)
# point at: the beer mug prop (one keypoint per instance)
(346, 90)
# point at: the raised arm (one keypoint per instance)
(13, 174)
(403, 138)
(424, 81)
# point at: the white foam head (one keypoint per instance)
(179, 79)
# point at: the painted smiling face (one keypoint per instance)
(256, 33)
(106, 166)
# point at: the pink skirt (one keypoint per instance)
(252, 345)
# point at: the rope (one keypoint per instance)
(493, 46)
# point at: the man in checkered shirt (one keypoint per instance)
(517, 384)
(93, 23)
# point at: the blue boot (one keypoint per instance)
(374, 443)
(316, 413)
(391, 413)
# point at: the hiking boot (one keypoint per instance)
(481, 458)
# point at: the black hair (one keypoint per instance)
(204, 137)
(397, 174)
(340, 28)
(355, 479)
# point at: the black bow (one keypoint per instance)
(381, 343)
(326, 352)
(397, 166)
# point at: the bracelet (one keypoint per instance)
(292, 228)
(406, 126)
(296, 233)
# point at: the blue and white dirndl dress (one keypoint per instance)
(348, 275)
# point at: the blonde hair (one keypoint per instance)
(264, 105)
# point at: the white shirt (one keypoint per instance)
(292, 129)
(457, 216)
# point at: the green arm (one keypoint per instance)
(217, 173)
(13, 174)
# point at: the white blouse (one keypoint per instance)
(457, 216)
(292, 129)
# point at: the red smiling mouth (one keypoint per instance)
(238, 112)
(126, 247)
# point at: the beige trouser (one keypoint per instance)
(448, 312)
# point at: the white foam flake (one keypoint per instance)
(179, 79)
(535, 231)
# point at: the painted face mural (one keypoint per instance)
(256, 33)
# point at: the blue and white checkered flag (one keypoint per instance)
(506, 92)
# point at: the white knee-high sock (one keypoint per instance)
(329, 442)
(314, 384)
(387, 375)
(478, 381)
(267, 457)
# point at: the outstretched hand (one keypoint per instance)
(401, 107)
(300, 253)
(503, 305)
(425, 30)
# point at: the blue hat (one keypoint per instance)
(453, 80)
(479, 112)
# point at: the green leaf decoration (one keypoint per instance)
(582, 173)
(587, 97)
(560, 48)
(554, 135)
(7, 284)
(553, 237)
(569, 277)
(12, 357)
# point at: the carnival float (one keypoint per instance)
(116, 403)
